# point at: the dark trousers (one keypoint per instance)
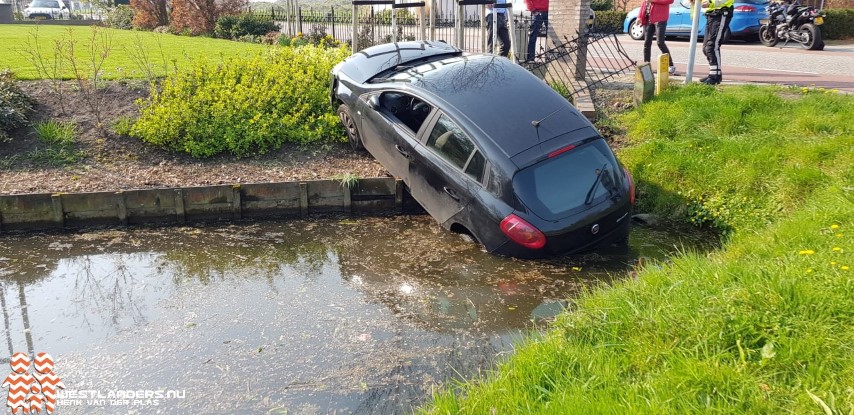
(659, 29)
(540, 19)
(503, 34)
(717, 23)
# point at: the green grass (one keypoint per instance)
(765, 325)
(125, 60)
(55, 132)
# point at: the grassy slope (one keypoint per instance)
(754, 328)
(16, 39)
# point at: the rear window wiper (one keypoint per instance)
(589, 199)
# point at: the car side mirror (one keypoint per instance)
(374, 102)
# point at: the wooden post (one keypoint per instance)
(236, 205)
(58, 214)
(459, 25)
(122, 210)
(180, 213)
(433, 9)
(348, 197)
(398, 195)
(303, 199)
(663, 73)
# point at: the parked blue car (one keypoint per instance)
(744, 25)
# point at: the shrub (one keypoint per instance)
(15, 106)
(609, 21)
(839, 24)
(120, 17)
(244, 106)
(238, 26)
(149, 14)
(602, 5)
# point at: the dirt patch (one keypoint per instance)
(109, 162)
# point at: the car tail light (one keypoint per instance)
(523, 233)
(745, 9)
(561, 151)
(631, 186)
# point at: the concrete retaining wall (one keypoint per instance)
(206, 203)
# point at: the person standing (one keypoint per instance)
(539, 16)
(503, 33)
(653, 19)
(718, 16)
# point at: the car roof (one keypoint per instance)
(503, 100)
(369, 62)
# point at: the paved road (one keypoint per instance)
(753, 62)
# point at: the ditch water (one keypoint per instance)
(363, 315)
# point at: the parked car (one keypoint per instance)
(744, 25)
(486, 147)
(46, 9)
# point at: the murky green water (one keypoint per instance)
(322, 316)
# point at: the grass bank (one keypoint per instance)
(765, 325)
(129, 54)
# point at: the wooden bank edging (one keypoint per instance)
(40, 211)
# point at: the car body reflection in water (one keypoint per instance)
(353, 315)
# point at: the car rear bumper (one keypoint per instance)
(617, 234)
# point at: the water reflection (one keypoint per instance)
(331, 315)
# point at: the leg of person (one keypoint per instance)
(536, 26)
(660, 30)
(713, 23)
(722, 23)
(504, 37)
(647, 42)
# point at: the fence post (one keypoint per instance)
(393, 22)
(299, 18)
(333, 23)
(355, 39)
(459, 25)
(433, 9)
(423, 27)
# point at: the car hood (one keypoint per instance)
(365, 64)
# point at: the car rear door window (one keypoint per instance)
(450, 142)
(408, 109)
(570, 182)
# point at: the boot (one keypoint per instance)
(712, 80)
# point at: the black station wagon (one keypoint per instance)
(487, 148)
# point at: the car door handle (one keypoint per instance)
(451, 193)
(401, 150)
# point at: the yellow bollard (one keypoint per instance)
(663, 74)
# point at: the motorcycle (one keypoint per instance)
(792, 22)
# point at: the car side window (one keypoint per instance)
(410, 110)
(449, 141)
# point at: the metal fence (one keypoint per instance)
(579, 64)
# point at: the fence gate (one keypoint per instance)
(581, 63)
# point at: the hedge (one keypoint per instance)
(839, 24)
(610, 21)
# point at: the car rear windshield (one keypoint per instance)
(569, 182)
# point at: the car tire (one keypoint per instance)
(635, 30)
(353, 135)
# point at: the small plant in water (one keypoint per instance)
(54, 132)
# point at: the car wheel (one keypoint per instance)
(635, 30)
(349, 124)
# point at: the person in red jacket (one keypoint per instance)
(540, 15)
(653, 17)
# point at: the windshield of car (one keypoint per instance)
(569, 182)
(50, 4)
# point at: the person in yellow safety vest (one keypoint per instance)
(718, 16)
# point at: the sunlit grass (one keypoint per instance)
(162, 51)
(764, 325)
